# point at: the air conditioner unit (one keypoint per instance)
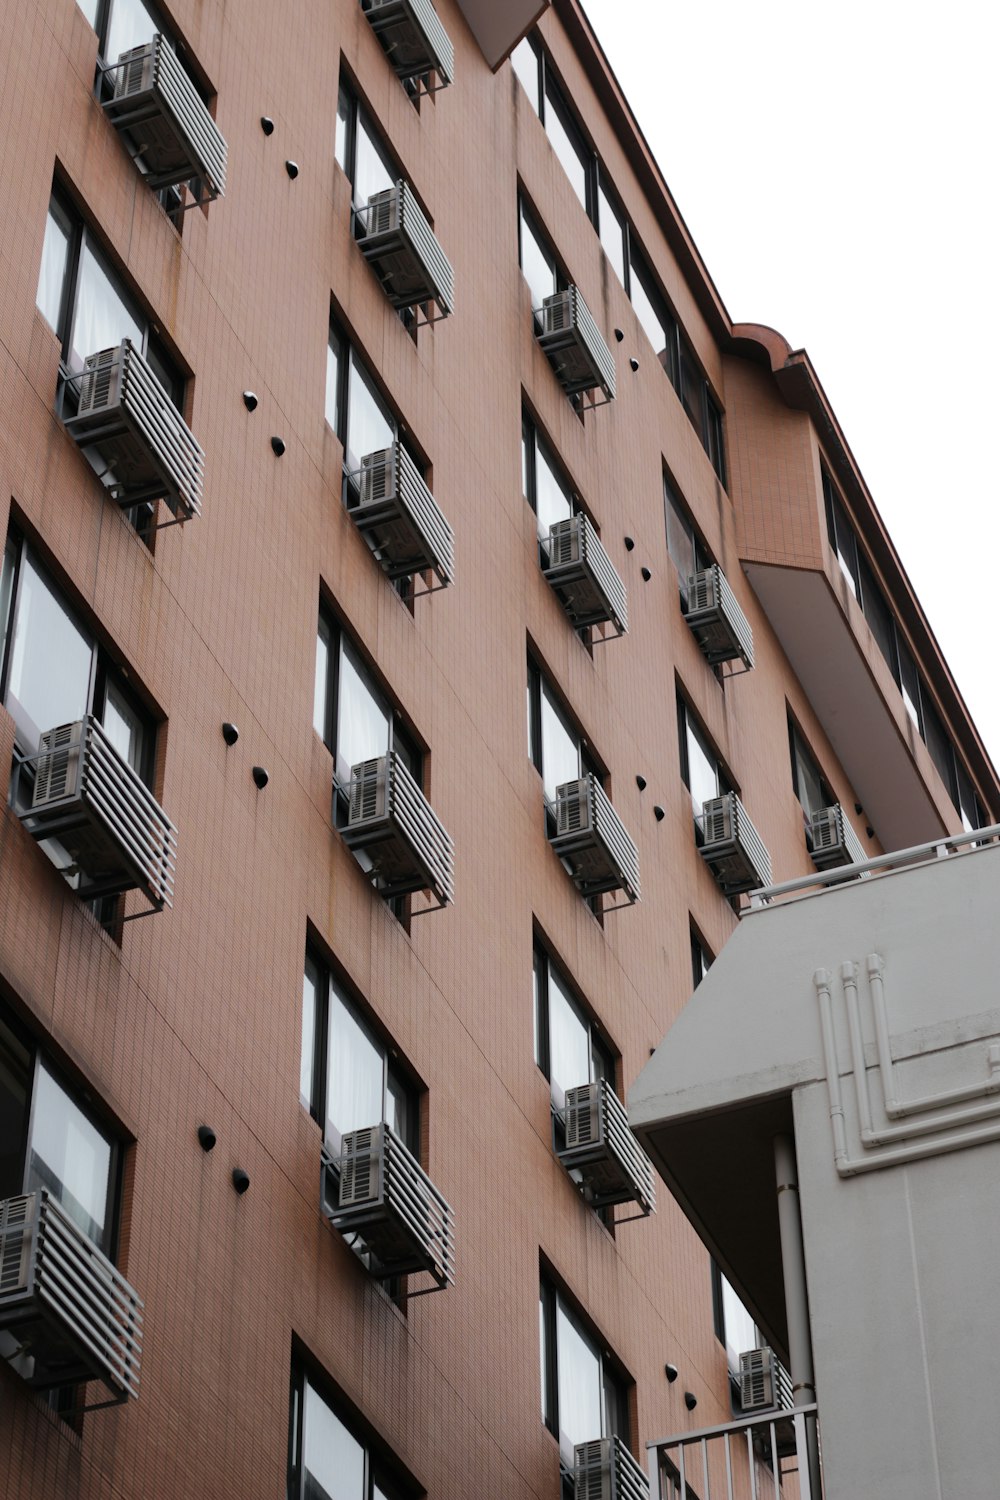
(158, 108)
(758, 1380)
(127, 417)
(571, 339)
(413, 38)
(604, 1469)
(732, 847)
(66, 1314)
(385, 1199)
(720, 627)
(832, 840)
(103, 817)
(591, 837)
(599, 1144)
(393, 824)
(400, 519)
(401, 247)
(584, 577)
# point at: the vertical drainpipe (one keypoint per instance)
(793, 1268)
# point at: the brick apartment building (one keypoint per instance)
(402, 547)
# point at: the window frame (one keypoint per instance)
(360, 117)
(799, 750)
(533, 440)
(702, 957)
(616, 1387)
(602, 1058)
(103, 675)
(689, 722)
(528, 218)
(701, 554)
(38, 1058)
(329, 985)
(539, 686)
(380, 1477)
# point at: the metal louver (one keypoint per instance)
(386, 1200)
(88, 799)
(604, 1469)
(732, 847)
(832, 840)
(400, 518)
(758, 1389)
(402, 249)
(591, 837)
(571, 339)
(584, 577)
(600, 1145)
(719, 625)
(391, 821)
(127, 417)
(66, 1314)
(413, 38)
(157, 107)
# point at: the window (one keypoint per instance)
(349, 1079)
(326, 1460)
(534, 70)
(354, 719)
(734, 1327)
(359, 150)
(591, 183)
(555, 747)
(48, 1141)
(890, 640)
(568, 1047)
(356, 411)
(701, 769)
(583, 1396)
(811, 786)
(546, 488)
(687, 551)
(54, 671)
(538, 263)
(701, 959)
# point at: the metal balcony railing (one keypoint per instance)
(400, 518)
(90, 801)
(574, 344)
(583, 575)
(594, 841)
(385, 1198)
(67, 1315)
(391, 822)
(600, 1145)
(160, 109)
(749, 1459)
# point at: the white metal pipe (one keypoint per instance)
(793, 1270)
(821, 979)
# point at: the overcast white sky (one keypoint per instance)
(837, 167)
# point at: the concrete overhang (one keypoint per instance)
(858, 703)
(722, 1084)
(498, 25)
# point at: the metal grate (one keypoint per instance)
(732, 846)
(92, 802)
(721, 628)
(604, 1469)
(127, 416)
(386, 1198)
(392, 822)
(65, 1302)
(400, 518)
(571, 339)
(832, 840)
(757, 1382)
(593, 840)
(404, 252)
(584, 577)
(158, 107)
(413, 37)
(600, 1144)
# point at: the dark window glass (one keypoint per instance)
(53, 670)
(657, 322)
(553, 743)
(690, 384)
(582, 1397)
(326, 1458)
(546, 489)
(686, 550)
(811, 787)
(701, 769)
(713, 436)
(701, 959)
(842, 537)
(348, 1081)
(878, 615)
(909, 682)
(567, 1047)
(361, 153)
(939, 746)
(49, 1141)
(538, 264)
(567, 142)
